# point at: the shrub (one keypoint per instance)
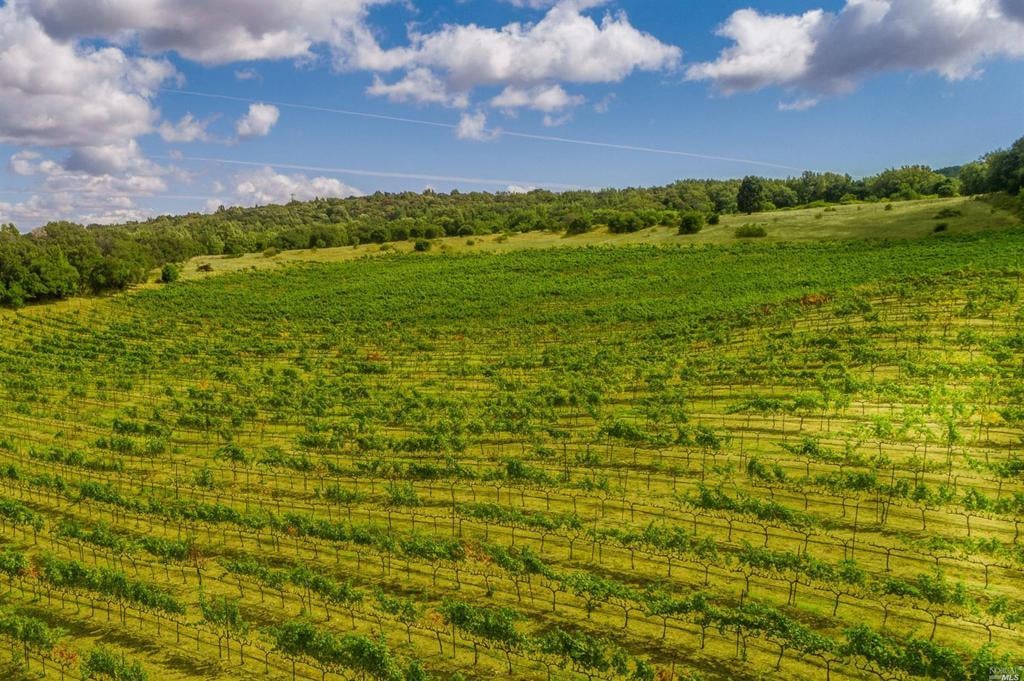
(577, 224)
(624, 223)
(272, 252)
(751, 232)
(947, 213)
(169, 273)
(941, 227)
(422, 246)
(206, 267)
(888, 206)
(691, 223)
(714, 219)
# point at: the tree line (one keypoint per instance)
(62, 259)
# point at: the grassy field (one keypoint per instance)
(744, 461)
(905, 219)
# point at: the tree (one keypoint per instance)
(577, 224)
(169, 274)
(691, 223)
(753, 196)
(974, 179)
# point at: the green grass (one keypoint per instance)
(906, 219)
(435, 414)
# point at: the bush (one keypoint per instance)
(888, 206)
(691, 223)
(169, 273)
(714, 219)
(624, 223)
(577, 224)
(422, 246)
(941, 227)
(271, 252)
(751, 232)
(947, 213)
(206, 267)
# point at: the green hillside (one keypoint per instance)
(664, 460)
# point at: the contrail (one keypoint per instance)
(376, 173)
(499, 132)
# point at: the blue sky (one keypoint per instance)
(499, 95)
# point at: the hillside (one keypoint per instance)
(898, 220)
(747, 460)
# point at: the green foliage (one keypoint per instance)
(62, 259)
(750, 232)
(103, 664)
(691, 223)
(752, 196)
(169, 274)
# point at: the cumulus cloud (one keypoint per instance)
(258, 121)
(826, 53)
(84, 195)
(209, 32)
(265, 186)
(473, 126)
(564, 46)
(58, 94)
(546, 98)
(188, 129)
(418, 85)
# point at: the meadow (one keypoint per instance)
(877, 220)
(667, 458)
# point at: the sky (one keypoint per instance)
(117, 110)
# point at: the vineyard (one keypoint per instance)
(793, 461)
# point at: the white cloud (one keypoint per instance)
(258, 121)
(564, 46)
(531, 4)
(83, 195)
(546, 98)
(188, 129)
(418, 85)
(265, 186)
(209, 32)
(39, 209)
(605, 104)
(248, 74)
(556, 121)
(473, 126)
(130, 174)
(110, 159)
(825, 53)
(801, 104)
(519, 189)
(58, 94)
